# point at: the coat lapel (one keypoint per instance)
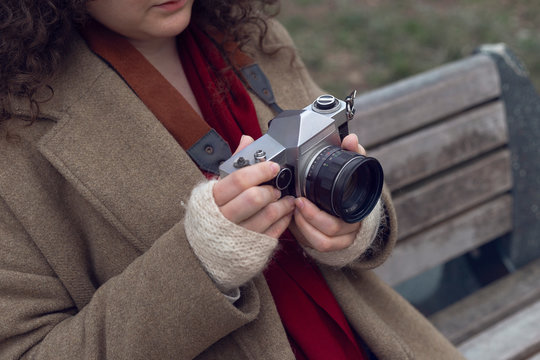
(115, 152)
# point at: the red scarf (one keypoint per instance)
(224, 102)
(314, 321)
(315, 324)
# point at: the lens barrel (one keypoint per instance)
(344, 183)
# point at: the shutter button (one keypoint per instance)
(325, 104)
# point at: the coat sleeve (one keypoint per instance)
(152, 310)
(386, 237)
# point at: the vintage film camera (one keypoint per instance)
(306, 143)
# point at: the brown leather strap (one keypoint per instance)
(191, 131)
(167, 103)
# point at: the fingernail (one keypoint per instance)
(275, 168)
(277, 193)
(299, 203)
(290, 200)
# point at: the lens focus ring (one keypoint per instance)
(344, 183)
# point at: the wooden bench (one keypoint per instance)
(460, 146)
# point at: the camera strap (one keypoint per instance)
(250, 72)
(202, 143)
(260, 85)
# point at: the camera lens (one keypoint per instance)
(344, 183)
(352, 192)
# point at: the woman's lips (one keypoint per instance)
(171, 5)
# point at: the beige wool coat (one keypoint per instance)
(94, 261)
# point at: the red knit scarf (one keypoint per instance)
(315, 324)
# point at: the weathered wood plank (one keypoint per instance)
(534, 357)
(513, 338)
(447, 240)
(422, 99)
(486, 306)
(453, 193)
(431, 150)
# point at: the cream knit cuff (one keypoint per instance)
(230, 254)
(364, 238)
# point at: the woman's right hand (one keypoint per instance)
(243, 201)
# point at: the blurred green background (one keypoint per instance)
(364, 44)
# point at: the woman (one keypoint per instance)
(114, 245)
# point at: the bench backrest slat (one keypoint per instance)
(448, 240)
(440, 147)
(448, 195)
(415, 102)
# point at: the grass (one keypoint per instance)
(364, 44)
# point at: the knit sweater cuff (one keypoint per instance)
(364, 238)
(230, 254)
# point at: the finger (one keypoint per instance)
(263, 220)
(249, 202)
(232, 185)
(279, 226)
(319, 241)
(350, 142)
(297, 234)
(361, 150)
(323, 221)
(245, 140)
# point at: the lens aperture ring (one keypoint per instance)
(322, 174)
(344, 183)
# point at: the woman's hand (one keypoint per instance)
(243, 201)
(315, 228)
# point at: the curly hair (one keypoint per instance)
(34, 35)
(233, 20)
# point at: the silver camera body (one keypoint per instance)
(306, 144)
(293, 137)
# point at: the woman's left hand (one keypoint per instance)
(317, 229)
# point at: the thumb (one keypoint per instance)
(350, 142)
(245, 140)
